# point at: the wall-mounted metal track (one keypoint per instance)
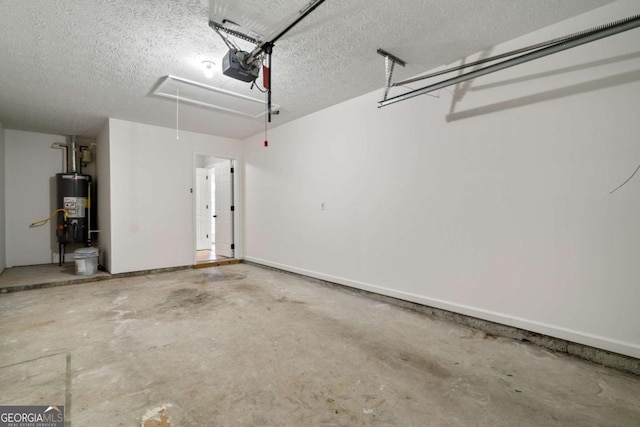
(550, 48)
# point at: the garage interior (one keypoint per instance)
(317, 213)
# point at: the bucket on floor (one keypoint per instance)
(86, 261)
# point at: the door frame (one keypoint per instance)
(236, 197)
(209, 208)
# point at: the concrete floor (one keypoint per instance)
(44, 275)
(245, 346)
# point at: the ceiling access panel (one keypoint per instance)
(184, 90)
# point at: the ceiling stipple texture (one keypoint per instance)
(67, 65)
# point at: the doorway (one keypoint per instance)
(214, 209)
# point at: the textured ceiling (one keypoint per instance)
(67, 65)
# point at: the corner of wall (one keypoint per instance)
(3, 258)
(103, 185)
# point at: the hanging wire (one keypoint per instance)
(257, 86)
(628, 179)
(255, 82)
(437, 95)
(266, 113)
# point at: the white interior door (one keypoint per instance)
(212, 217)
(224, 214)
(203, 210)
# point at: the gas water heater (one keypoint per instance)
(73, 195)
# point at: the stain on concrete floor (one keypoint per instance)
(187, 297)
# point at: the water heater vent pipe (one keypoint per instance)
(72, 163)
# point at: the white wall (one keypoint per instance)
(31, 166)
(152, 207)
(103, 185)
(211, 162)
(3, 259)
(501, 210)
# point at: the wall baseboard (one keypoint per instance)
(150, 272)
(547, 336)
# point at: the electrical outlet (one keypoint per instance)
(322, 206)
